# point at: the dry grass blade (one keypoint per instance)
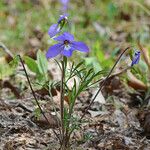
(145, 54)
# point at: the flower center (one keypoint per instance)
(66, 42)
(67, 46)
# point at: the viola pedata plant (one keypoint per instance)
(65, 47)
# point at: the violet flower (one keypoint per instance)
(56, 28)
(66, 45)
(64, 2)
(136, 58)
(65, 5)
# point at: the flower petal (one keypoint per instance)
(80, 46)
(53, 30)
(65, 36)
(54, 50)
(67, 51)
(136, 58)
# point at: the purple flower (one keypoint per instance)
(66, 45)
(136, 58)
(56, 28)
(64, 2)
(65, 5)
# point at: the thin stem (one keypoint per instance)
(33, 93)
(62, 98)
(103, 83)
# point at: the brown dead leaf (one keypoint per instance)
(42, 122)
(7, 84)
(113, 83)
(135, 83)
(8, 58)
(43, 92)
(31, 53)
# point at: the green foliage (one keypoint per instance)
(28, 15)
(112, 10)
(87, 136)
(99, 61)
(141, 71)
(5, 70)
(31, 63)
(15, 62)
(39, 66)
(42, 63)
(83, 80)
(37, 113)
(93, 62)
(75, 124)
(8, 69)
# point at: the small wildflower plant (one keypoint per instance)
(65, 47)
